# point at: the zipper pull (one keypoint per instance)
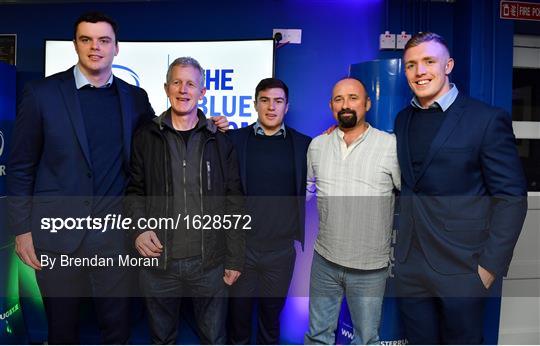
(208, 175)
(183, 163)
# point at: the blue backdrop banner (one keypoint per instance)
(11, 323)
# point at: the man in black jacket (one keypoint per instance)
(184, 169)
(272, 160)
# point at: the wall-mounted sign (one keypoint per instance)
(520, 10)
(8, 48)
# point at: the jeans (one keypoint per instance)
(185, 277)
(364, 290)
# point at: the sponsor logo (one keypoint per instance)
(394, 342)
(2, 141)
(2, 145)
(9, 312)
(347, 333)
(127, 74)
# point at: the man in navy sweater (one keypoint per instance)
(272, 160)
(71, 144)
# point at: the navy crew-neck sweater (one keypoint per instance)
(271, 191)
(425, 124)
(101, 113)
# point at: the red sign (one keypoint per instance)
(520, 10)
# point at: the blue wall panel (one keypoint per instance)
(334, 34)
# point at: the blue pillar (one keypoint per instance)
(389, 92)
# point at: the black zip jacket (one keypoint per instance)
(150, 190)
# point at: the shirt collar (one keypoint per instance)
(360, 138)
(260, 131)
(444, 102)
(81, 80)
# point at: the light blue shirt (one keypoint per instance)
(260, 131)
(444, 101)
(81, 80)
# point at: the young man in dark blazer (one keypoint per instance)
(272, 160)
(463, 200)
(71, 146)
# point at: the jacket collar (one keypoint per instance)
(164, 121)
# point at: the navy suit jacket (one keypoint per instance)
(49, 168)
(300, 143)
(468, 203)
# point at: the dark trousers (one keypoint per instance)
(163, 290)
(437, 308)
(267, 276)
(63, 287)
(113, 317)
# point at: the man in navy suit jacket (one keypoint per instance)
(71, 146)
(463, 200)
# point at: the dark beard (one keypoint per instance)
(347, 122)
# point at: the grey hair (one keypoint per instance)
(185, 61)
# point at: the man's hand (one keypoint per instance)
(230, 276)
(221, 122)
(486, 277)
(330, 129)
(24, 246)
(148, 244)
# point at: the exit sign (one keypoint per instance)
(520, 10)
